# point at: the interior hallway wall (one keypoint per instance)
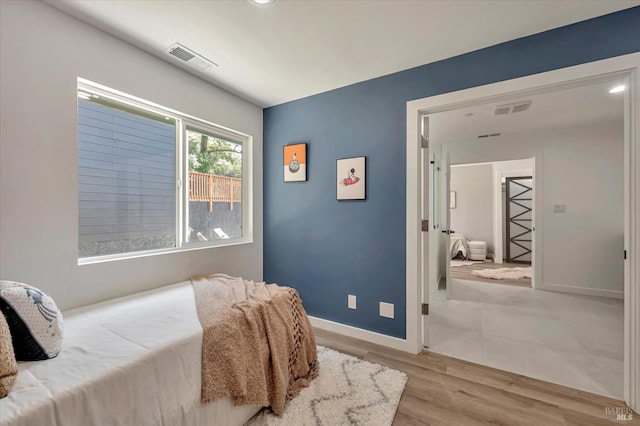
(582, 169)
(473, 214)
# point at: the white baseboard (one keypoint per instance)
(614, 294)
(360, 333)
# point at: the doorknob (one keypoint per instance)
(448, 231)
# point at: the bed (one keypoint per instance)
(459, 247)
(113, 373)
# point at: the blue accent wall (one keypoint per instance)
(328, 249)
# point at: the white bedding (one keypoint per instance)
(459, 246)
(131, 361)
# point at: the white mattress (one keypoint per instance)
(131, 361)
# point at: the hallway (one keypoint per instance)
(568, 339)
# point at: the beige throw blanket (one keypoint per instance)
(257, 345)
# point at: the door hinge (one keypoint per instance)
(425, 309)
(625, 255)
(424, 142)
(425, 225)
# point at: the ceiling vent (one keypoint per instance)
(187, 55)
(512, 108)
(488, 135)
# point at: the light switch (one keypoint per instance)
(559, 208)
(351, 301)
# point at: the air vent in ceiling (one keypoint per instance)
(488, 135)
(181, 53)
(521, 107)
(190, 57)
(512, 108)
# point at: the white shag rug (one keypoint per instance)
(348, 391)
(503, 273)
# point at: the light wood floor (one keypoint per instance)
(446, 391)
(464, 273)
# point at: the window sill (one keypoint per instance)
(138, 254)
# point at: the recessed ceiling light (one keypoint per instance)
(261, 1)
(617, 89)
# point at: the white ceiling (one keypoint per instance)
(295, 48)
(586, 104)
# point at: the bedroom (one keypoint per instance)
(39, 210)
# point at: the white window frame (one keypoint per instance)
(226, 135)
(183, 120)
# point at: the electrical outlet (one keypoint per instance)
(386, 310)
(351, 301)
(559, 208)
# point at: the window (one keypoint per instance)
(152, 180)
(215, 185)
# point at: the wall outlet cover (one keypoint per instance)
(559, 208)
(386, 310)
(351, 301)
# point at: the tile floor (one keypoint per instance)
(568, 339)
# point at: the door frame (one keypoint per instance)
(627, 66)
(496, 179)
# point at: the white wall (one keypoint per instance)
(42, 52)
(581, 167)
(473, 215)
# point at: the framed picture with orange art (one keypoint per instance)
(294, 158)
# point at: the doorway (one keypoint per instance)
(523, 329)
(480, 206)
(546, 81)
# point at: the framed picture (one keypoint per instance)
(452, 200)
(294, 159)
(351, 178)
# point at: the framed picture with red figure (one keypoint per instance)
(351, 178)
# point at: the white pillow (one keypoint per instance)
(34, 320)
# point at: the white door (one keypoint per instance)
(446, 222)
(431, 238)
(429, 180)
(434, 207)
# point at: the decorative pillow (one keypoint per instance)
(8, 364)
(34, 320)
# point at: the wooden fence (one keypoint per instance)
(214, 188)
